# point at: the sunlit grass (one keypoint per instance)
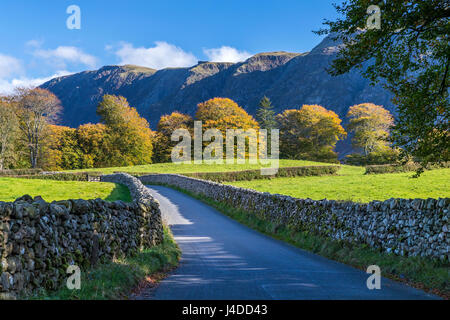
(50, 190)
(352, 184)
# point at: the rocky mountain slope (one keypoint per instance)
(288, 79)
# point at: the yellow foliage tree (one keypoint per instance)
(310, 133)
(61, 150)
(93, 142)
(224, 114)
(370, 125)
(128, 134)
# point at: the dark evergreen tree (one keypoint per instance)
(266, 115)
(266, 118)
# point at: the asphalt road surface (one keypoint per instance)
(224, 260)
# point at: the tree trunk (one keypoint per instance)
(3, 152)
(33, 157)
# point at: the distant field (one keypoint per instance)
(352, 184)
(190, 167)
(11, 189)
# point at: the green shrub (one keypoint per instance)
(64, 176)
(256, 174)
(396, 168)
(19, 172)
(321, 155)
(374, 158)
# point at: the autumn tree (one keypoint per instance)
(8, 132)
(223, 114)
(62, 151)
(370, 125)
(94, 144)
(162, 138)
(310, 133)
(410, 53)
(128, 134)
(36, 108)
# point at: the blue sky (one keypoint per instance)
(37, 45)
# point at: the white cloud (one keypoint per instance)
(8, 86)
(34, 43)
(226, 54)
(162, 55)
(9, 66)
(62, 54)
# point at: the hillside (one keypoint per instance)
(288, 79)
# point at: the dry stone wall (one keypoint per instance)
(39, 240)
(410, 227)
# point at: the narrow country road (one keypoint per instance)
(222, 259)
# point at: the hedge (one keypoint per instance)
(231, 176)
(396, 168)
(19, 172)
(64, 176)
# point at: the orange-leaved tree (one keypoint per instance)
(223, 114)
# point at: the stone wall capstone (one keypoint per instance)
(39, 240)
(409, 227)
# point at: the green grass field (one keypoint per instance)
(50, 190)
(190, 167)
(352, 184)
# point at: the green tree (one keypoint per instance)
(266, 114)
(128, 135)
(410, 54)
(309, 133)
(370, 125)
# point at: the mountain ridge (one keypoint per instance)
(289, 79)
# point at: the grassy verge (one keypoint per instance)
(426, 274)
(13, 188)
(117, 279)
